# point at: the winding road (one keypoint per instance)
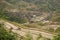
(23, 31)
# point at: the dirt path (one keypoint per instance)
(23, 31)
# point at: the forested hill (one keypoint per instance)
(32, 7)
(35, 5)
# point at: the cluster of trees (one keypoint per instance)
(17, 17)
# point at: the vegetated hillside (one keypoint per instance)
(23, 10)
(43, 5)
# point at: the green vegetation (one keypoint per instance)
(56, 17)
(58, 30)
(12, 17)
(5, 35)
(50, 30)
(28, 36)
(42, 24)
(39, 36)
(57, 37)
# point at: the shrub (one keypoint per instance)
(5, 35)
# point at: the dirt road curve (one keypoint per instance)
(23, 31)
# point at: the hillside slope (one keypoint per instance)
(26, 9)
